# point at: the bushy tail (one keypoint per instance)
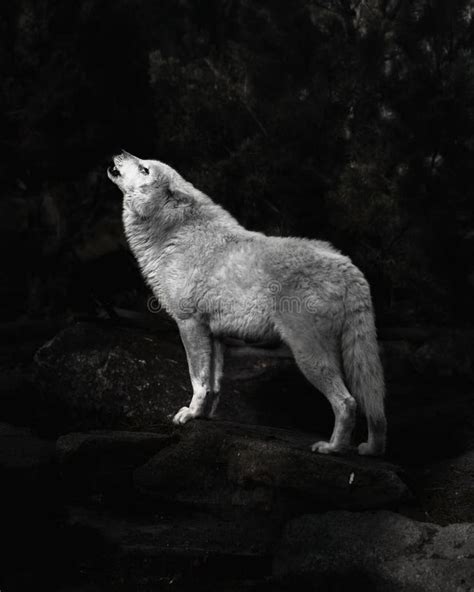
(362, 366)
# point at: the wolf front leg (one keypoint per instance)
(197, 341)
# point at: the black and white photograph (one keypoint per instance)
(237, 296)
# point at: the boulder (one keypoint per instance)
(102, 462)
(107, 376)
(446, 490)
(95, 376)
(226, 465)
(205, 501)
(162, 551)
(183, 538)
(379, 551)
(92, 376)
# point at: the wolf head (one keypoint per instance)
(149, 186)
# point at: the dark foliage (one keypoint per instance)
(344, 120)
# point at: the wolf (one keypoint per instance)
(216, 279)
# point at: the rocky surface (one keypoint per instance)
(100, 375)
(195, 535)
(106, 494)
(380, 551)
(207, 500)
(92, 375)
(101, 462)
(224, 466)
(447, 489)
(221, 464)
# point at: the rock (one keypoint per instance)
(224, 465)
(209, 503)
(162, 551)
(103, 461)
(446, 490)
(104, 376)
(90, 376)
(380, 551)
(94, 376)
(194, 535)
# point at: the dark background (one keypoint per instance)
(349, 121)
(313, 118)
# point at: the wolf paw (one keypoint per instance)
(325, 447)
(366, 449)
(183, 415)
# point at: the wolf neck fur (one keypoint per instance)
(158, 240)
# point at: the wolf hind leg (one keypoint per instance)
(377, 430)
(319, 363)
(218, 349)
(327, 380)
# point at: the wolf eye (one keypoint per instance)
(144, 170)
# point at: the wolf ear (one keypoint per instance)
(180, 195)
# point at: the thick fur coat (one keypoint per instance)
(215, 278)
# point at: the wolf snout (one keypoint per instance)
(125, 154)
(113, 170)
(114, 164)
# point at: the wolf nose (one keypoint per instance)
(113, 170)
(126, 154)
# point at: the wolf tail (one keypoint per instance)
(361, 362)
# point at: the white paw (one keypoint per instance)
(366, 450)
(183, 415)
(323, 447)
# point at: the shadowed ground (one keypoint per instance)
(106, 488)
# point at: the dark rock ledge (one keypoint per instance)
(237, 503)
(378, 551)
(208, 500)
(226, 465)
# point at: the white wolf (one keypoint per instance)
(215, 278)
